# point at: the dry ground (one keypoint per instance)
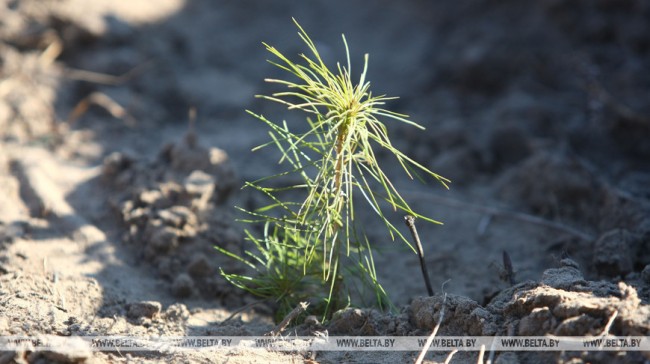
(110, 203)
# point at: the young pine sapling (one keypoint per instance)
(311, 249)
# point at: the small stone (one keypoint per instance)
(148, 309)
(218, 156)
(183, 286)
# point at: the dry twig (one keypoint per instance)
(102, 78)
(410, 222)
(509, 273)
(451, 355)
(240, 310)
(302, 306)
(481, 354)
(104, 101)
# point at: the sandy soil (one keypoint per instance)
(111, 203)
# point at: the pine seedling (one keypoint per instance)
(314, 242)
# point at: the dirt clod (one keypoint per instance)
(177, 312)
(563, 278)
(613, 255)
(148, 309)
(79, 352)
(461, 315)
(539, 320)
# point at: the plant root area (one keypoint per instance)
(112, 198)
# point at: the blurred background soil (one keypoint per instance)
(111, 199)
